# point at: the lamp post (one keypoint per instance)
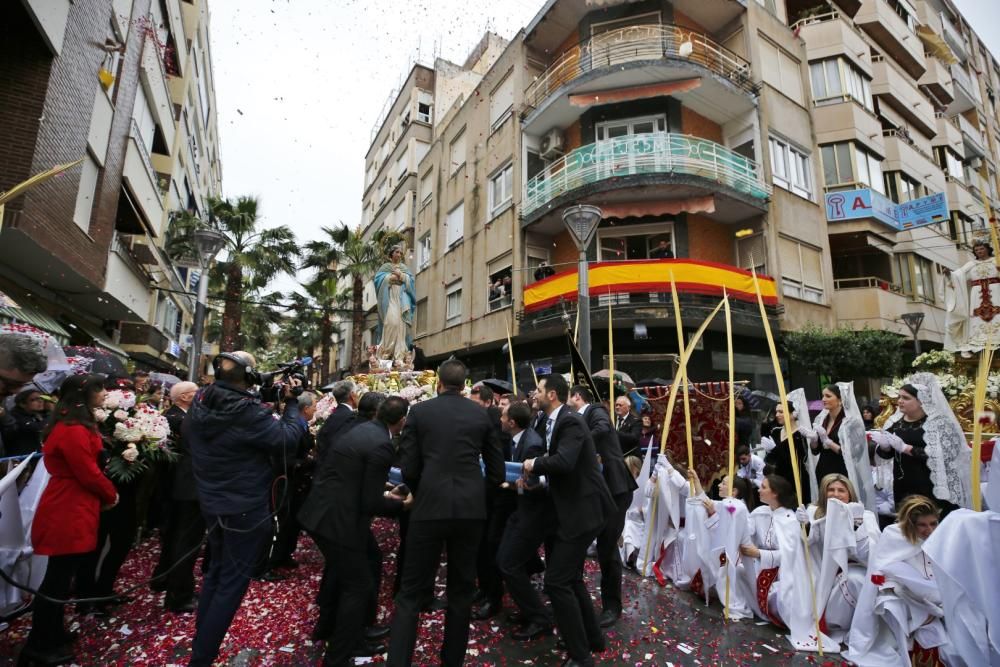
(208, 243)
(913, 322)
(582, 221)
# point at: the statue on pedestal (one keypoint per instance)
(396, 296)
(974, 303)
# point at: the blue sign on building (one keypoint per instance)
(866, 203)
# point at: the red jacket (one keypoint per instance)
(67, 516)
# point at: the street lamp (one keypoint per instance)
(582, 221)
(913, 321)
(208, 243)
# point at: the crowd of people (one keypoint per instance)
(833, 528)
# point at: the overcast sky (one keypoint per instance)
(300, 83)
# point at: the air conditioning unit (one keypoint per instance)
(976, 163)
(552, 145)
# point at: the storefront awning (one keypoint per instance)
(15, 313)
(97, 339)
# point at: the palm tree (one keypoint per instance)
(356, 258)
(253, 256)
(301, 331)
(260, 315)
(322, 257)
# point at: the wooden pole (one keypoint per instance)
(979, 406)
(611, 358)
(687, 398)
(510, 350)
(732, 416)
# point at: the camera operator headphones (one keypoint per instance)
(250, 375)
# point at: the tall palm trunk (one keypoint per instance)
(326, 328)
(357, 322)
(232, 314)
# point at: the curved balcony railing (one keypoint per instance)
(643, 154)
(640, 43)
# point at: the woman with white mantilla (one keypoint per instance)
(839, 445)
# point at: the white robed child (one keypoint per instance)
(841, 534)
(775, 567)
(898, 620)
(635, 521)
(666, 490)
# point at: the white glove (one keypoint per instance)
(857, 511)
(650, 488)
(824, 437)
(807, 433)
(891, 440)
(662, 467)
(802, 515)
(767, 443)
(880, 438)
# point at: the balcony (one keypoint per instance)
(641, 290)
(157, 90)
(966, 91)
(147, 343)
(847, 120)
(891, 32)
(972, 137)
(830, 34)
(937, 80)
(903, 154)
(142, 180)
(656, 166)
(876, 303)
(948, 134)
(125, 281)
(954, 38)
(900, 92)
(961, 199)
(638, 62)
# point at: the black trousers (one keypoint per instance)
(116, 530)
(357, 585)
(179, 540)
(331, 586)
(571, 603)
(47, 629)
(609, 555)
(487, 571)
(424, 543)
(525, 533)
(287, 538)
(237, 542)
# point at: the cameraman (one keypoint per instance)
(232, 437)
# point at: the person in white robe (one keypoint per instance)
(841, 533)
(662, 512)
(973, 303)
(635, 520)
(850, 444)
(750, 466)
(899, 613)
(965, 552)
(725, 527)
(776, 567)
(17, 511)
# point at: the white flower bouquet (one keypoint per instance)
(139, 435)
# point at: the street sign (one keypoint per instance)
(867, 203)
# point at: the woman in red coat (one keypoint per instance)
(65, 525)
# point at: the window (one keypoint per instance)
(399, 216)
(422, 148)
(901, 188)
(835, 78)
(143, 118)
(950, 163)
(959, 227)
(421, 327)
(536, 257)
(455, 225)
(500, 288)
(768, 5)
(383, 190)
(402, 166)
(370, 174)
(457, 153)
(86, 193)
(425, 102)
(906, 12)
(915, 275)
(781, 70)
(169, 318)
(112, 63)
(801, 271)
(634, 242)
(501, 102)
(501, 184)
(791, 168)
(424, 251)
(751, 253)
(453, 303)
(847, 165)
(427, 186)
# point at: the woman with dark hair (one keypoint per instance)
(744, 422)
(839, 446)
(22, 435)
(776, 564)
(778, 459)
(826, 459)
(65, 524)
(868, 414)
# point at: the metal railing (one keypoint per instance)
(641, 154)
(904, 136)
(962, 78)
(143, 153)
(812, 20)
(124, 251)
(952, 35)
(640, 43)
(973, 132)
(867, 282)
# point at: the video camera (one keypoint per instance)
(272, 384)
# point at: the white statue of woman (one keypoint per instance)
(974, 305)
(394, 289)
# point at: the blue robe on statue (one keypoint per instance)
(397, 305)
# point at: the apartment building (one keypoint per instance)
(125, 85)
(844, 150)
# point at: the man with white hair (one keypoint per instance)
(21, 358)
(232, 438)
(185, 526)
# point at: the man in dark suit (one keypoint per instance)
(527, 528)
(441, 447)
(346, 395)
(621, 484)
(350, 490)
(185, 525)
(582, 503)
(628, 425)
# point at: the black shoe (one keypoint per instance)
(98, 609)
(271, 576)
(323, 628)
(438, 604)
(480, 599)
(517, 618)
(286, 563)
(487, 610)
(368, 649)
(181, 607)
(609, 617)
(158, 585)
(594, 647)
(58, 655)
(373, 633)
(531, 631)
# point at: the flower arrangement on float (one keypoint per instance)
(414, 386)
(138, 433)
